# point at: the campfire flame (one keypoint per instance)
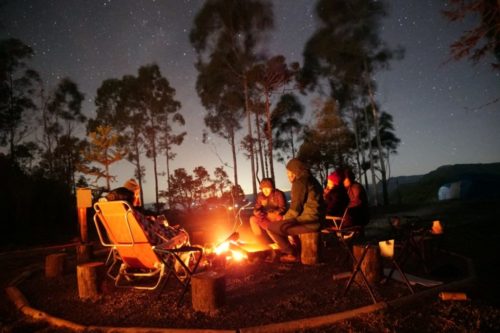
(231, 249)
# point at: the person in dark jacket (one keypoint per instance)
(306, 211)
(358, 213)
(335, 195)
(270, 206)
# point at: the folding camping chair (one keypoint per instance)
(141, 264)
(345, 236)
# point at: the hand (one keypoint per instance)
(263, 223)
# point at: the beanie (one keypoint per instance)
(131, 185)
(335, 178)
(267, 182)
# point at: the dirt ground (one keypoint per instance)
(264, 291)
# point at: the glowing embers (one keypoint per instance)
(234, 250)
(231, 248)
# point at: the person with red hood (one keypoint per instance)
(306, 211)
(358, 213)
(335, 195)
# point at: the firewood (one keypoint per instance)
(208, 291)
(309, 248)
(89, 276)
(83, 253)
(371, 265)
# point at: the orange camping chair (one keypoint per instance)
(141, 264)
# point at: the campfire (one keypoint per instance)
(234, 250)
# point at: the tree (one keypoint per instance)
(328, 142)
(267, 78)
(17, 87)
(225, 35)
(103, 149)
(154, 96)
(484, 39)
(61, 116)
(286, 125)
(345, 53)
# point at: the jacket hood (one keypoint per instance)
(296, 166)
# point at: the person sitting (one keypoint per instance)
(358, 213)
(335, 195)
(159, 232)
(270, 206)
(306, 211)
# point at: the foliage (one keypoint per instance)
(285, 121)
(327, 143)
(267, 78)
(103, 149)
(225, 35)
(61, 156)
(187, 192)
(17, 89)
(483, 39)
(35, 210)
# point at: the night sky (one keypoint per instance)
(437, 105)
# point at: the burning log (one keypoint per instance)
(208, 291)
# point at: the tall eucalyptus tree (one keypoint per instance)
(226, 35)
(17, 89)
(285, 121)
(345, 52)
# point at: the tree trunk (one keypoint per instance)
(379, 147)
(249, 121)
(259, 141)
(269, 136)
(235, 163)
(372, 167)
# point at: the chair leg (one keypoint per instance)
(403, 275)
(357, 269)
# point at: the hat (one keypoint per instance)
(131, 185)
(335, 178)
(296, 166)
(266, 182)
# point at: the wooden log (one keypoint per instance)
(309, 248)
(371, 265)
(83, 253)
(89, 277)
(55, 265)
(208, 291)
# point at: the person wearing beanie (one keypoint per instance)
(335, 195)
(159, 234)
(134, 187)
(270, 205)
(306, 211)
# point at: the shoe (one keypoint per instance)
(289, 259)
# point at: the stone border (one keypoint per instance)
(22, 304)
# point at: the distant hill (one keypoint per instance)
(476, 181)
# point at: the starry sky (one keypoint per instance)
(441, 109)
